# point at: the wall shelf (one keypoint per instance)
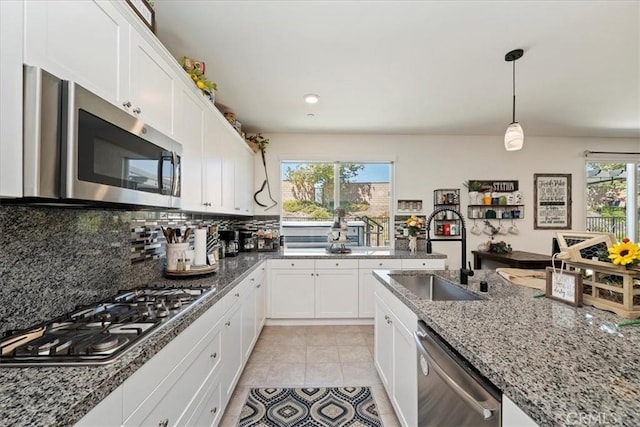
(409, 206)
(446, 223)
(495, 211)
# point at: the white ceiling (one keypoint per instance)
(416, 67)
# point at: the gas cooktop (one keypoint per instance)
(99, 333)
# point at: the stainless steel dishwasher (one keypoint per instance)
(450, 392)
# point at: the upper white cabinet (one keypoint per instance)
(152, 86)
(86, 41)
(190, 127)
(212, 160)
(11, 31)
(243, 196)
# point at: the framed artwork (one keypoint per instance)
(552, 201)
(143, 9)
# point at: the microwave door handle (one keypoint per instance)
(486, 412)
(166, 155)
(174, 176)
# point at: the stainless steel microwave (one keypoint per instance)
(79, 147)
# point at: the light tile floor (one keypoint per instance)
(296, 356)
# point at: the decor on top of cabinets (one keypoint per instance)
(409, 206)
(262, 142)
(145, 11)
(446, 223)
(551, 201)
(514, 136)
(196, 70)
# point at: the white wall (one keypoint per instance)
(425, 163)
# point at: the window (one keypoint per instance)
(613, 190)
(311, 192)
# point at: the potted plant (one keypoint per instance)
(474, 188)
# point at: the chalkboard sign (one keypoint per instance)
(565, 286)
(551, 201)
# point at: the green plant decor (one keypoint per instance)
(204, 84)
(474, 185)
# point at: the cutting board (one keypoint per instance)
(536, 279)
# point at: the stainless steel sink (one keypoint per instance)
(433, 288)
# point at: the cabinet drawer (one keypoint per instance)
(420, 264)
(336, 263)
(296, 264)
(380, 263)
(207, 405)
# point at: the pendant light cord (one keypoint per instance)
(514, 93)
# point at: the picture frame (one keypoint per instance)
(551, 201)
(564, 286)
(145, 11)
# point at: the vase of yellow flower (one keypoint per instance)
(414, 224)
(625, 253)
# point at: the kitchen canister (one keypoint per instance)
(175, 252)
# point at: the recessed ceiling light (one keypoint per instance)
(311, 115)
(311, 98)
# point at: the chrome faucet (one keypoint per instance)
(464, 272)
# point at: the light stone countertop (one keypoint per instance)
(61, 396)
(558, 363)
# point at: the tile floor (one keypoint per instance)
(296, 356)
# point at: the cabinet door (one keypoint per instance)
(366, 305)
(190, 133)
(383, 343)
(248, 319)
(213, 160)
(405, 382)
(11, 33)
(292, 294)
(231, 350)
(87, 42)
(208, 410)
(337, 293)
(228, 173)
(152, 86)
(261, 302)
(243, 184)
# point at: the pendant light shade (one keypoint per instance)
(514, 136)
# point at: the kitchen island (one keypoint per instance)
(561, 365)
(61, 396)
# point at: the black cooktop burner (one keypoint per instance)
(100, 333)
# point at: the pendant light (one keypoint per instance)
(514, 136)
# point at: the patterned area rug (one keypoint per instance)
(310, 406)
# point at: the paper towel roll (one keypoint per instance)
(200, 246)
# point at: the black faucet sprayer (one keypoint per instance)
(464, 272)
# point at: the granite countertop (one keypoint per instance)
(558, 363)
(61, 396)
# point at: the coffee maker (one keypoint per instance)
(230, 242)
(248, 241)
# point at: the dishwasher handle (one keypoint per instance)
(487, 413)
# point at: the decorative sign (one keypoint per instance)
(552, 201)
(145, 11)
(497, 186)
(565, 286)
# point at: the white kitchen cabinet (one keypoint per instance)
(292, 293)
(107, 413)
(212, 160)
(248, 319)
(366, 306)
(190, 127)
(395, 354)
(513, 416)
(232, 350)
(208, 406)
(261, 298)
(423, 264)
(152, 85)
(243, 184)
(11, 53)
(86, 42)
(336, 288)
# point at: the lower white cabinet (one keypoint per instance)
(336, 288)
(190, 380)
(513, 416)
(292, 294)
(395, 354)
(366, 281)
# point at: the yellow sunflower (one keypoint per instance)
(625, 252)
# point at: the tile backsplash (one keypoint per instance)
(55, 258)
